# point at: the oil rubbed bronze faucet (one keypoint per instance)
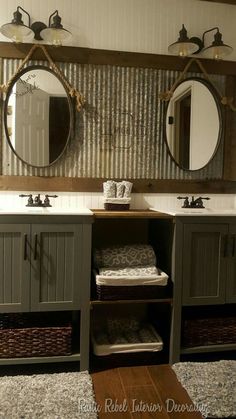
(194, 203)
(186, 201)
(37, 201)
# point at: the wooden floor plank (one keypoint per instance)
(131, 376)
(109, 395)
(172, 393)
(145, 403)
(142, 392)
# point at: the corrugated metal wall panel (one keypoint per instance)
(120, 132)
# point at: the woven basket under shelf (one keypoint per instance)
(116, 207)
(138, 292)
(209, 331)
(34, 334)
(38, 341)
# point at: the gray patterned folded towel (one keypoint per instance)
(128, 187)
(120, 188)
(125, 256)
(138, 271)
(109, 189)
(112, 189)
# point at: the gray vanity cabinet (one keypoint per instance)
(204, 272)
(204, 263)
(45, 265)
(209, 262)
(42, 266)
(14, 268)
(55, 254)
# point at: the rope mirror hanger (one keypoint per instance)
(73, 92)
(166, 96)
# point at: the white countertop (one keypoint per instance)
(45, 211)
(197, 211)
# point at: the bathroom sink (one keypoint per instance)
(46, 211)
(197, 211)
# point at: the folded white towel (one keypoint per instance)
(130, 280)
(117, 200)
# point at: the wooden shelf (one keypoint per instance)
(209, 348)
(149, 300)
(40, 359)
(100, 213)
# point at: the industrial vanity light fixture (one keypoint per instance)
(18, 31)
(185, 46)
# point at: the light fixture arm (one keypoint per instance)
(17, 16)
(218, 35)
(56, 20)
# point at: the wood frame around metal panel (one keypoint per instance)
(94, 56)
(232, 2)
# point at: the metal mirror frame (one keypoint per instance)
(69, 99)
(220, 114)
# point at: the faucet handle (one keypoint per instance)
(47, 201)
(30, 200)
(186, 201)
(204, 197)
(197, 203)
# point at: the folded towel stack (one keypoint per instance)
(117, 195)
(124, 334)
(123, 330)
(128, 265)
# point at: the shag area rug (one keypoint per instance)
(210, 385)
(47, 396)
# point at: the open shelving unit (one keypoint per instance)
(130, 227)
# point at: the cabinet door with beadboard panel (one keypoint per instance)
(14, 267)
(204, 263)
(56, 267)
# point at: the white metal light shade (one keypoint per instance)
(217, 49)
(55, 36)
(183, 49)
(183, 46)
(216, 52)
(17, 33)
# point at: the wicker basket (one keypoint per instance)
(209, 331)
(19, 337)
(116, 207)
(137, 292)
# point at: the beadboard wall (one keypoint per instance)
(131, 25)
(95, 200)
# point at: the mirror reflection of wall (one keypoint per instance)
(192, 125)
(39, 123)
